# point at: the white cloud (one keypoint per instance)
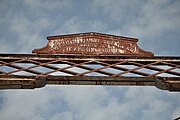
(27, 26)
(4, 47)
(71, 25)
(75, 25)
(141, 18)
(117, 10)
(64, 116)
(138, 19)
(176, 113)
(146, 20)
(158, 109)
(156, 17)
(19, 106)
(42, 7)
(79, 103)
(28, 31)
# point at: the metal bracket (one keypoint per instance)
(165, 84)
(160, 84)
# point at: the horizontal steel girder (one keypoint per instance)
(24, 71)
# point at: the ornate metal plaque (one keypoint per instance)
(92, 44)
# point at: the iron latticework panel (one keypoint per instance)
(32, 70)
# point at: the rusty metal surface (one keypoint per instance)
(92, 44)
(35, 70)
(89, 59)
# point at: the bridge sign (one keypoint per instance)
(92, 44)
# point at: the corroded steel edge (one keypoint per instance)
(31, 82)
(88, 57)
(94, 34)
(21, 82)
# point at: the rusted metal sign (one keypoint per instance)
(92, 44)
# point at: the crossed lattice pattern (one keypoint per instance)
(89, 67)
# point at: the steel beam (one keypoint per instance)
(160, 71)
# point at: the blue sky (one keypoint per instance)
(25, 24)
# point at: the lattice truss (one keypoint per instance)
(89, 67)
(163, 68)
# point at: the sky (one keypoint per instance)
(25, 24)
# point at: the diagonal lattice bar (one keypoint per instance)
(19, 68)
(156, 68)
(90, 69)
(34, 71)
(140, 67)
(126, 70)
(101, 68)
